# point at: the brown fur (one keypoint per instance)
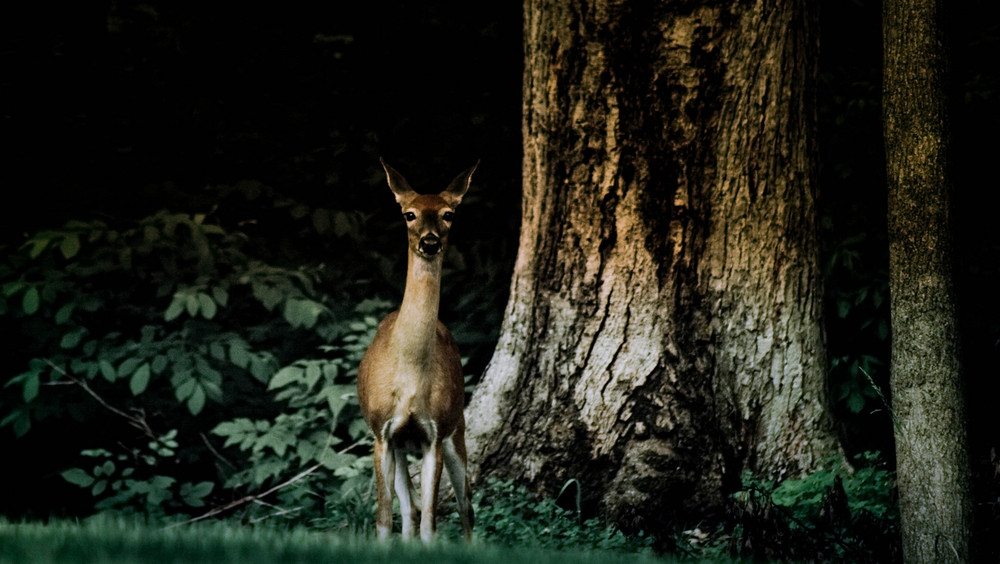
(410, 383)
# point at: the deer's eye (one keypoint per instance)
(409, 216)
(448, 216)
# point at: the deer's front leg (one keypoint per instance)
(385, 468)
(430, 477)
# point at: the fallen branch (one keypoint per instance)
(248, 499)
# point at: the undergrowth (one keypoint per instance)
(507, 514)
(835, 514)
(124, 541)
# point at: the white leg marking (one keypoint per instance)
(404, 490)
(429, 475)
(457, 476)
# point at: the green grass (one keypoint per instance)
(124, 542)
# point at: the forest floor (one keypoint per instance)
(123, 542)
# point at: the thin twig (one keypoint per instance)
(248, 499)
(137, 422)
(215, 452)
(279, 511)
(256, 498)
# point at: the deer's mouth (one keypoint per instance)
(430, 245)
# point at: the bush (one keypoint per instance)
(834, 514)
(151, 346)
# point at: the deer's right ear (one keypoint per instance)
(399, 186)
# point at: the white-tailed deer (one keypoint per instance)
(410, 382)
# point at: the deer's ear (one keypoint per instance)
(399, 186)
(458, 187)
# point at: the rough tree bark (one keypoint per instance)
(663, 332)
(927, 397)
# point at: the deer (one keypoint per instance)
(410, 384)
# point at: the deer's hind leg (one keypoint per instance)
(455, 463)
(406, 494)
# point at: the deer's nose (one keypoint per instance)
(430, 244)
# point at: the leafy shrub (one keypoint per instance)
(510, 515)
(123, 476)
(148, 334)
(834, 514)
(318, 435)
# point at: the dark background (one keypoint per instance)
(119, 109)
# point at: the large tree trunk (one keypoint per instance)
(927, 399)
(663, 332)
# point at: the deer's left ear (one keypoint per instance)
(399, 186)
(458, 187)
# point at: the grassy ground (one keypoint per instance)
(122, 542)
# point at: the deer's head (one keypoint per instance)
(428, 216)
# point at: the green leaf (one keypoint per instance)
(238, 354)
(856, 402)
(220, 295)
(196, 402)
(20, 420)
(194, 494)
(313, 373)
(261, 368)
(159, 364)
(882, 330)
(65, 313)
(31, 386)
(105, 469)
(230, 428)
(208, 308)
(78, 477)
(344, 224)
(72, 339)
(37, 247)
(302, 312)
(333, 460)
(184, 385)
(175, 309)
(107, 370)
(293, 312)
(30, 301)
(159, 489)
(70, 245)
(213, 390)
(286, 376)
(843, 308)
(13, 287)
(191, 301)
(330, 371)
(217, 351)
(128, 366)
(140, 380)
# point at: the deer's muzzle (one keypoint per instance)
(430, 245)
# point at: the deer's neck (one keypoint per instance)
(416, 325)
